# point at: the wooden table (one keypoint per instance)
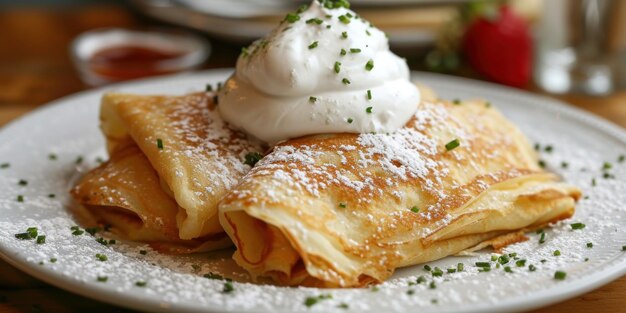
(35, 68)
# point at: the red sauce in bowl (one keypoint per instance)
(124, 62)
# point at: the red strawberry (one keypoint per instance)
(500, 48)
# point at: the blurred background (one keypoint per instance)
(569, 49)
(573, 49)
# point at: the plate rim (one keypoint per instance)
(613, 270)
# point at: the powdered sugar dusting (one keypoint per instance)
(584, 144)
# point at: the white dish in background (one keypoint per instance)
(68, 128)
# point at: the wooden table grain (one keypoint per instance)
(35, 68)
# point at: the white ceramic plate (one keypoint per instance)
(68, 128)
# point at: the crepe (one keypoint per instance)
(346, 210)
(172, 160)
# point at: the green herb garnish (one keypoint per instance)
(432, 285)
(342, 205)
(520, 263)
(559, 275)
(350, 120)
(101, 257)
(141, 283)
(437, 272)
(415, 209)
(456, 101)
(556, 253)
(312, 99)
(345, 81)
(483, 264)
(542, 238)
(355, 50)
(369, 65)
(314, 21)
(344, 19)
(292, 18)
(343, 52)
(452, 144)
(313, 45)
(369, 94)
(460, 267)
(427, 267)
(20, 198)
(252, 158)
(541, 163)
(41, 239)
(532, 268)
(590, 245)
(337, 67)
(344, 35)
(160, 144)
(22, 182)
(508, 269)
(577, 225)
(52, 156)
(368, 110)
(102, 279)
(5, 165)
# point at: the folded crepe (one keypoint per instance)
(171, 160)
(346, 210)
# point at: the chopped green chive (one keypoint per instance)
(342, 205)
(374, 289)
(310, 301)
(460, 267)
(556, 253)
(355, 50)
(421, 279)
(593, 182)
(345, 81)
(313, 45)
(542, 163)
(312, 99)
(343, 52)
(209, 87)
(41, 239)
(369, 94)
(532, 268)
(228, 287)
(368, 110)
(23, 236)
(314, 21)
(577, 226)
(20, 198)
(487, 104)
(252, 158)
(494, 258)
(344, 35)
(344, 19)
(5, 165)
(328, 26)
(92, 230)
(586, 259)
(548, 148)
(564, 165)
(350, 120)
(606, 166)
(451, 270)
(102, 241)
(427, 267)
(621, 158)
(503, 259)
(415, 209)
(160, 144)
(343, 306)
(508, 269)
(143, 252)
(559, 275)
(101, 257)
(590, 245)
(337, 67)
(52, 156)
(520, 263)
(53, 260)
(22, 182)
(369, 65)
(452, 144)
(543, 261)
(623, 248)
(112, 241)
(77, 232)
(141, 283)
(51, 195)
(410, 292)
(102, 279)
(432, 285)
(483, 264)
(542, 238)
(437, 272)
(292, 18)
(456, 101)
(368, 32)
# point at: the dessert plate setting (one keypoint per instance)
(44, 153)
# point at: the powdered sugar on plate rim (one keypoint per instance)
(43, 148)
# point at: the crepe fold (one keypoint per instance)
(346, 210)
(171, 160)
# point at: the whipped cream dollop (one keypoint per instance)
(322, 70)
